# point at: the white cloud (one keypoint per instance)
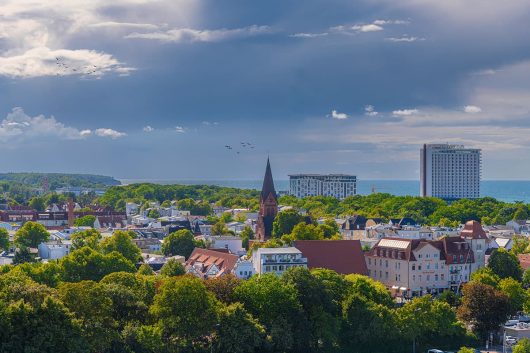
(210, 123)
(20, 126)
(369, 110)
(367, 28)
(124, 25)
(405, 38)
(196, 35)
(404, 112)
(148, 128)
(43, 61)
(339, 116)
(30, 30)
(106, 132)
(472, 109)
(308, 35)
(180, 129)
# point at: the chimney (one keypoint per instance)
(70, 213)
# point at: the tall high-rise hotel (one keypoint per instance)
(450, 171)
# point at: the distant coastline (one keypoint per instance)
(503, 190)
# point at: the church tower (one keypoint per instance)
(268, 206)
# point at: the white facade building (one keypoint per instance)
(450, 171)
(336, 185)
(277, 260)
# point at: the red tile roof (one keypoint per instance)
(524, 260)
(473, 230)
(201, 260)
(342, 256)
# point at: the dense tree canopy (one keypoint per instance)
(31, 234)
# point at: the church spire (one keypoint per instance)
(268, 183)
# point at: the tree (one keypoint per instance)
(450, 298)
(466, 350)
(85, 221)
(153, 213)
(184, 311)
(88, 264)
(4, 239)
(145, 270)
(318, 306)
(172, 268)
(520, 244)
(178, 243)
(89, 237)
(285, 222)
(277, 307)
(505, 264)
(238, 331)
(485, 275)
(31, 234)
(330, 228)
(483, 307)
(223, 287)
(430, 322)
(219, 228)
(88, 302)
(44, 325)
(366, 326)
(23, 255)
(246, 235)
(523, 346)
(37, 203)
(521, 213)
(370, 289)
(518, 297)
(121, 242)
(304, 231)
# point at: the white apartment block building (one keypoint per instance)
(336, 185)
(277, 260)
(450, 171)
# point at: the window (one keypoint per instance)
(436, 278)
(419, 267)
(428, 277)
(413, 277)
(413, 267)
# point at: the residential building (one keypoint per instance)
(148, 244)
(231, 243)
(450, 171)
(419, 266)
(341, 256)
(277, 260)
(268, 206)
(208, 263)
(411, 267)
(354, 227)
(339, 186)
(54, 249)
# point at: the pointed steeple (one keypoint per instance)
(268, 183)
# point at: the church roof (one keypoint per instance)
(268, 183)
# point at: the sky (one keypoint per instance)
(142, 89)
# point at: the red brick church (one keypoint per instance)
(268, 207)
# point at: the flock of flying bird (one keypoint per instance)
(87, 70)
(243, 145)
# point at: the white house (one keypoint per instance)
(54, 249)
(277, 260)
(244, 269)
(232, 243)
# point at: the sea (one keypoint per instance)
(503, 190)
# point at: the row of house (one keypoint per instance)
(342, 256)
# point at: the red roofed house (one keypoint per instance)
(205, 263)
(474, 234)
(341, 256)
